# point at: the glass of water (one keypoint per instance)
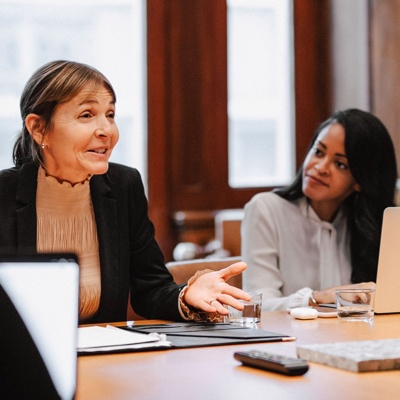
(250, 314)
(355, 304)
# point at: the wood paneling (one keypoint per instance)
(312, 68)
(159, 148)
(198, 104)
(385, 65)
(187, 104)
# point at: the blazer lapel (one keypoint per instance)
(105, 210)
(26, 209)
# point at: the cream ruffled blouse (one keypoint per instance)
(66, 223)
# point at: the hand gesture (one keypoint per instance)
(209, 292)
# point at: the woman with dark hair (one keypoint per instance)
(303, 241)
(64, 196)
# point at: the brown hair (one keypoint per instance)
(54, 83)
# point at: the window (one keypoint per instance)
(107, 34)
(260, 93)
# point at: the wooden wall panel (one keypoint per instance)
(312, 66)
(385, 65)
(187, 105)
(198, 103)
(158, 32)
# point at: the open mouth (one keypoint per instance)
(98, 151)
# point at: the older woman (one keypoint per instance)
(63, 195)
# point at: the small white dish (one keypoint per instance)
(304, 313)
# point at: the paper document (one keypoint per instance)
(97, 338)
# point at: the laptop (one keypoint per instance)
(44, 291)
(387, 295)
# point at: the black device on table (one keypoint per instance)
(272, 362)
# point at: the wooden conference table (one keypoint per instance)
(211, 373)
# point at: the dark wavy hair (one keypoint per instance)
(372, 162)
(54, 83)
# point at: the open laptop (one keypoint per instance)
(44, 291)
(387, 295)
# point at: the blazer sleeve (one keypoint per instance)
(154, 294)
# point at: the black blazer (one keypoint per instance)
(130, 258)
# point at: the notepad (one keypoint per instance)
(357, 356)
(94, 339)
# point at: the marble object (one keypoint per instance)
(357, 356)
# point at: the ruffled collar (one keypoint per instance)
(53, 180)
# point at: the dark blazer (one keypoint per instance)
(131, 260)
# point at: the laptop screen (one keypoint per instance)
(44, 289)
(387, 297)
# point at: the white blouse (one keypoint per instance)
(290, 252)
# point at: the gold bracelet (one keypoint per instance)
(313, 299)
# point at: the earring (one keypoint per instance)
(42, 146)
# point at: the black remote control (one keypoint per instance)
(272, 362)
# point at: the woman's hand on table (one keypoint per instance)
(328, 296)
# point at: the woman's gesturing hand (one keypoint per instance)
(209, 292)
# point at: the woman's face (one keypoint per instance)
(82, 136)
(327, 180)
